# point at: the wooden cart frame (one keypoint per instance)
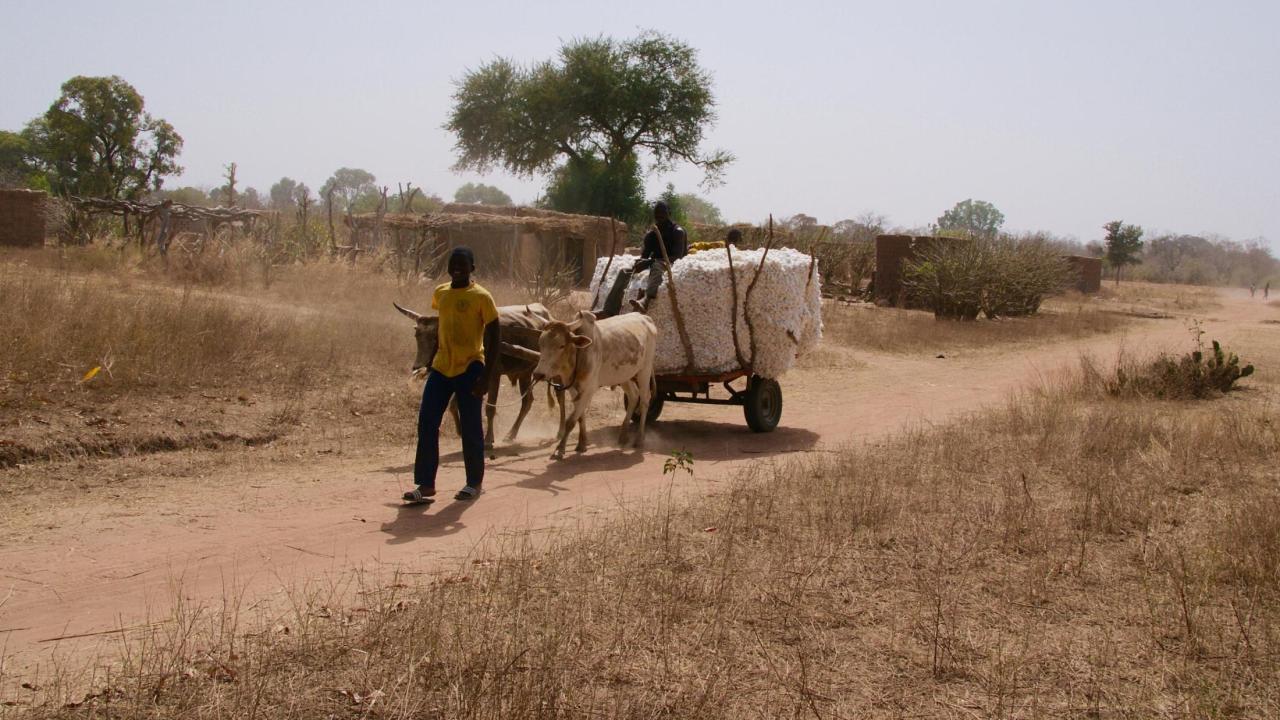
(760, 399)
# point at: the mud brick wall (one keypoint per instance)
(892, 252)
(1087, 272)
(22, 217)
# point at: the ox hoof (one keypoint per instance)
(580, 449)
(557, 455)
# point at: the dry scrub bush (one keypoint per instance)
(1058, 557)
(961, 279)
(1196, 375)
(549, 283)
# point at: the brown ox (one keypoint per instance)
(588, 354)
(512, 319)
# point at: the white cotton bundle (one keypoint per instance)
(786, 309)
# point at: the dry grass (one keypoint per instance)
(181, 365)
(62, 327)
(144, 330)
(891, 330)
(1067, 555)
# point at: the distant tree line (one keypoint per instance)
(1206, 260)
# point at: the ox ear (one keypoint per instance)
(580, 341)
(407, 312)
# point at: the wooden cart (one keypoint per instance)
(761, 398)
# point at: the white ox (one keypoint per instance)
(588, 354)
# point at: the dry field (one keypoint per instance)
(1143, 297)
(1061, 553)
(891, 330)
(109, 355)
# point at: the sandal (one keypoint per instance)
(417, 496)
(469, 492)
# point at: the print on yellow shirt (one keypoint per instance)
(463, 314)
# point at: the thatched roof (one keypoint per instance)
(530, 219)
(176, 210)
(508, 210)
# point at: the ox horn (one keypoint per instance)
(407, 312)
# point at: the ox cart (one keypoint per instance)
(760, 398)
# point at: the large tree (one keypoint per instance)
(97, 140)
(975, 218)
(481, 193)
(1124, 245)
(595, 109)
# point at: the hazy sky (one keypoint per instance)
(1065, 115)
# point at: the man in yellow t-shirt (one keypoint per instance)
(467, 348)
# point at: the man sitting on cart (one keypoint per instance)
(676, 242)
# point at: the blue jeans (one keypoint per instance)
(435, 400)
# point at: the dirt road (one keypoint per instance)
(253, 533)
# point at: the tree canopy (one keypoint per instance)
(589, 186)
(347, 185)
(1123, 245)
(481, 193)
(283, 194)
(1206, 260)
(862, 229)
(97, 140)
(975, 218)
(698, 210)
(185, 195)
(591, 112)
(17, 166)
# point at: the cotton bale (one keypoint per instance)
(785, 309)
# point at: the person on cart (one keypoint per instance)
(676, 242)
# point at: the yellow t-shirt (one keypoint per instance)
(463, 314)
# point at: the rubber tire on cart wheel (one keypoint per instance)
(655, 409)
(763, 404)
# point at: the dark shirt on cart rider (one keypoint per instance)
(673, 236)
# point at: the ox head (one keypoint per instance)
(427, 333)
(558, 348)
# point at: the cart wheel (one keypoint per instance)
(763, 404)
(655, 409)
